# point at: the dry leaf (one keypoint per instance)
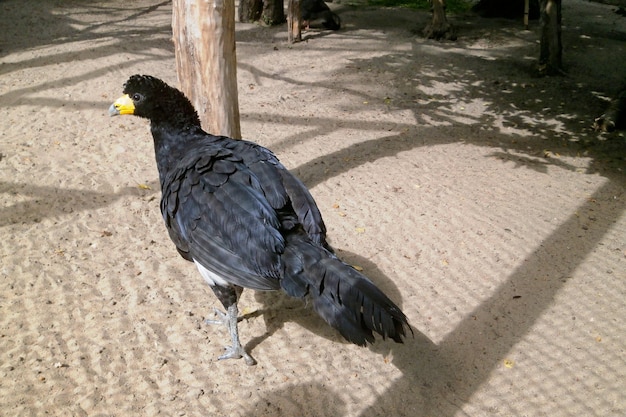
(144, 186)
(509, 363)
(247, 310)
(360, 229)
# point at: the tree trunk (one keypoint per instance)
(294, 18)
(206, 64)
(250, 10)
(273, 12)
(439, 28)
(551, 49)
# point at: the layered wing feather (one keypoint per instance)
(216, 214)
(281, 187)
(226, 205)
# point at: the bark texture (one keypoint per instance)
(551, 49)
(294, 20)
(206, 63)
(250, 10)
(439, 27)
(273, 12)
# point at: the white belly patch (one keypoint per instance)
(211, 278)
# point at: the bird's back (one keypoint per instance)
(229, 204)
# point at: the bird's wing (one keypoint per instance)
(282, 188)
(305, 208)
(217, 214)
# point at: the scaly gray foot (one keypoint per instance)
(222, 318)
(237, 352)
(229, 319)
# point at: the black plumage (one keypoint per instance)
(232, 208)
(318, 10)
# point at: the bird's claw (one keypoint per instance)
(222, 318)
(238, 352)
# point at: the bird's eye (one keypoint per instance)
(136, 97)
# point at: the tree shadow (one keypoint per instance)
(464, 359)
(437, 378)
(117, 31)
(61, 25)
(49, 202)
(526, 120)
(300, 399)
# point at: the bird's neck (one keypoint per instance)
(171, 143)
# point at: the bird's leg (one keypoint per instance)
(235, 351)
(228, 297)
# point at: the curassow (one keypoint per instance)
(318, 10)
(246, 222)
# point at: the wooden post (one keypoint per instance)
(206, 63)
(526, 10)
(550, 47)
(294, 20)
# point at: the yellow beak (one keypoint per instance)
(123, 105)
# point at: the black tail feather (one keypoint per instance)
(343, 297)
(332, 21)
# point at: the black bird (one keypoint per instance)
(246, 222)
(318, 10)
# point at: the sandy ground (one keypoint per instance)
(475, 194)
